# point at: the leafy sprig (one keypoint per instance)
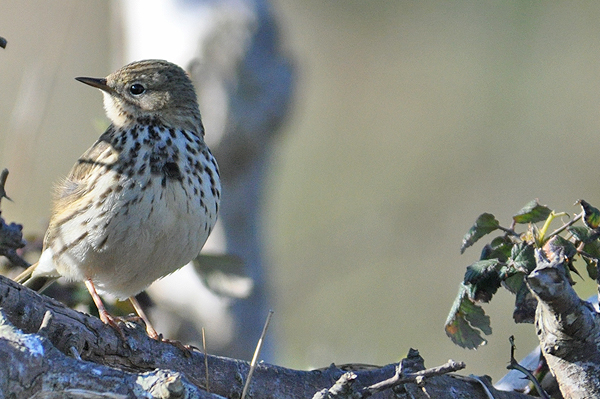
(509, 257)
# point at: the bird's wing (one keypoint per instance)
(70, 198)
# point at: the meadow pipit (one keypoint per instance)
(141, 202)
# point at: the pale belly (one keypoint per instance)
(133, 210)
(141, 235)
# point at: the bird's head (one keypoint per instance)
(149, 88)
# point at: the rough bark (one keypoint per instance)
(568, 327)
(41, 340)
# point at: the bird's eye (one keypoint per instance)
(136, 89)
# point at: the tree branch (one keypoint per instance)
(40, 337)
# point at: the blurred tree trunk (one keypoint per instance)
(245, 84)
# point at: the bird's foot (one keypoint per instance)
(112, 321)
(187, 350)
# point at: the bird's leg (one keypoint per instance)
(138, 309)
(104, 315)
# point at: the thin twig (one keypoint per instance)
(402, 378)
(256, 354)
(205, 359)
(565, 226)
(343, 388)
(74, 353)
(514, 365)
(509, 230)
(3, 177)
(487, 391)
(14, 258)
(48, 316)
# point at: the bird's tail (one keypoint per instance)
(37, 283)
(26, 275)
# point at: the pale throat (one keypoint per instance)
(114, 112)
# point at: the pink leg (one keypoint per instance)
(104, 315)
(138, 309)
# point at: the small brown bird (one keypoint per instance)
(141, 202)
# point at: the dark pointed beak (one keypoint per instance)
(99, 83)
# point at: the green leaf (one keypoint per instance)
(582, 233)
(499, 248)
(483, 279)
(522, 257)
(591, 254)
(525, 305)
(480, 270)
(591, 266)
(569, 250)
(514, 282)
(592, 248)
(533, 212)
(485, 224)
(591, 215)
(466, 321)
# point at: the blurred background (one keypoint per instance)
(404, 122)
